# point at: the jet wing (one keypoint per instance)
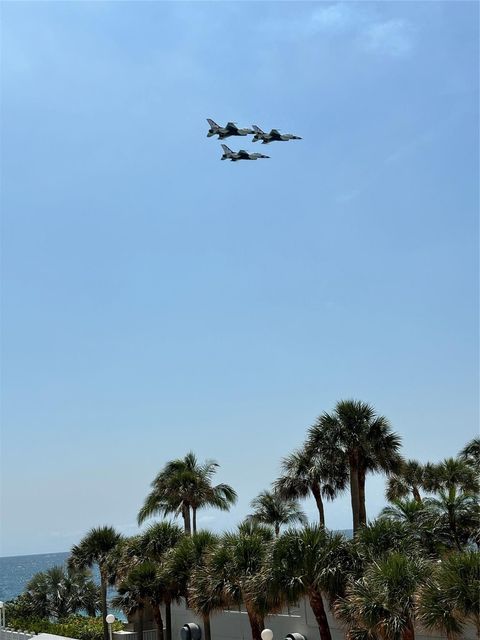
(231, 126)
(243, 154)
(275, 134)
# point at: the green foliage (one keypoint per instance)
(79, 627)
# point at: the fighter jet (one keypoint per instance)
(228, 154)
(230, 129)
(273, 136)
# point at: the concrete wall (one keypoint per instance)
(234, 625)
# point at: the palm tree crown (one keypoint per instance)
(271, 509)
(354, 435)
(184, 486)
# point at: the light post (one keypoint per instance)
(110, 620)
(267, 634)
(2, 615)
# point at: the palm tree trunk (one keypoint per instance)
(416, 494)
(206, 627)
(409, 632)
(157, 615)
(103, 587)
(257, 624)
(354, 494)
(168, 619)
(194, 519)
(317, 494)
(140, 623)
(277, 529)
(362, 515)
(186, 520)
(318, 608)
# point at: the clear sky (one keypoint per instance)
(157, 300)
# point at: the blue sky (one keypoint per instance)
(156, 300)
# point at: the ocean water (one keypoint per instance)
(16, 571)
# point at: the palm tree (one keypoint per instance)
(454, 516)
(58, 593)
(384, 536)
(186, 566)
(451, 473)
(184, 486)
(153, 548)
(132, 596)
(306, 473)
(381, 604)
(96, 548)
(450, 598)
(409, 479)
(273, 510)
(471, 453)
(406, 511)
(237, 571)
(356, 436)
(314, 563)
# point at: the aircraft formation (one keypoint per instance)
(231, 129)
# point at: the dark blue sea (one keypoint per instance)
(16, 571)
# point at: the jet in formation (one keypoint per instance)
(228, 154)
(230, 129)
(273, 136)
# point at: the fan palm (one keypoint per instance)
(382, 603)
(273, 510)
(58, 593)
(408, 479)
(186, 566)
(451, 473)
(455, 516)
(237, 572)
(96, 548)
(314, 563)
(471, 453)
(354, 435)
(306, 473)
(184, 486)
(152, 549)
(406, 511)
(450, 599)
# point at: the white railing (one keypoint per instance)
(9, 634)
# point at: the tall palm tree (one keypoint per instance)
(273, 510)
(408, 479)
(184, 486)
(96, 548)
(314, 563)
(356, 436)
(382, 603)
(450, 598)
(306, 473)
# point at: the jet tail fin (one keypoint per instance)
(213, 124)
(257, 129)
(226, 149)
